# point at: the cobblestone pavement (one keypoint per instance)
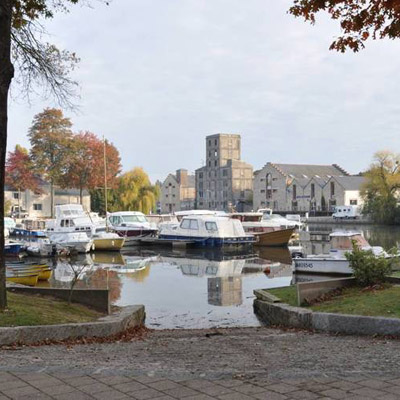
(251, 363)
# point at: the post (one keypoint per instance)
(105, 181)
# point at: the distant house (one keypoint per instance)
(344, 190)
(178, 192)
(293, 187)
(39, 205)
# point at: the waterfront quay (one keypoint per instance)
(225, 364)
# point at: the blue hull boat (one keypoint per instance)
(13, 249)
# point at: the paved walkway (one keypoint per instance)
(243, 364)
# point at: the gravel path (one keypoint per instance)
(215, 354)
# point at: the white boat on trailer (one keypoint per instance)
(336, 262)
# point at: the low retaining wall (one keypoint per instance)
(98, 299)
(308, 291)
(127, 317)
(295, 317)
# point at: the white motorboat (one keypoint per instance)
(78, 242)
(336, 262)
(206, 231)
(45, 248)
(132, 225)
(72, 218)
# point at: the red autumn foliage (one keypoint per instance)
(19, 171)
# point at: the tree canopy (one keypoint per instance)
(380, 191)
(20, 172)
(359, 20)
(135, 192)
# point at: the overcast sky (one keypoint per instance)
(157, 76)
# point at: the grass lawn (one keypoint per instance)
(36, 310)
(383, 303)
(288, 294)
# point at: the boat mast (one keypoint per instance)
(105, 180)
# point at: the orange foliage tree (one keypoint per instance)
(359, 19)
(86, 166)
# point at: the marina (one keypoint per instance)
(195, 288)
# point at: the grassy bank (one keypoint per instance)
(35, 310)
(383, 303)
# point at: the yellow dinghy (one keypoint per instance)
(23, 279)
(44, 271)
(108, 243)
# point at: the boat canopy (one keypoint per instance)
(209, 225)
(344, 240)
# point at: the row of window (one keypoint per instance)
(214, 174)
(193, 224)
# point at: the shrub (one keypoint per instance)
(368, 269)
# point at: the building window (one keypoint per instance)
(215, 163)
(209, 142)
(332, 189)
(209, 163)
(200, 175)
(216, 142)
(268, 180)
(312, 190)
(294, 192)
(37, 207)
(209, 154)
(262, 191)
(225, 172)
(201, 185)
(269, 194)
(353, 202)
(16, 195)
(200, 194)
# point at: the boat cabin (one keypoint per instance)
(344, 240)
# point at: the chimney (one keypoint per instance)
(182, 177)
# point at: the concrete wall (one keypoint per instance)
(127, 317)
(309, 291)
(98, 299)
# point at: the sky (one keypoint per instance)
(157, 76)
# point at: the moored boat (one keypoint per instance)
(206, 231)
(13, 248)
(275, 238)
(23, 278)
(131, 225)
(336, 262)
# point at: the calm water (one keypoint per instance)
(199, 289)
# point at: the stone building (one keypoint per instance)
(225, 182)
(344, 190)
(178, 192)
(294, 187)
(39, 205)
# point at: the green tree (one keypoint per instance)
(380, 191)
(51, 146)
(20, 172)
(135, 192)
(359, 19)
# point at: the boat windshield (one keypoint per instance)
(134, 218)
(272, 217)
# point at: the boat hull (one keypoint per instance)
(278, 238)
(27, 279)
(13, 249)
(113, 244)
(207, 242)
(322, 266)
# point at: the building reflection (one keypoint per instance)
(225, 291)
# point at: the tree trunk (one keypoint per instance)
(81, 195)
(6, 75)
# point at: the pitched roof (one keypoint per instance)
(309, 170)
(350, 182)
